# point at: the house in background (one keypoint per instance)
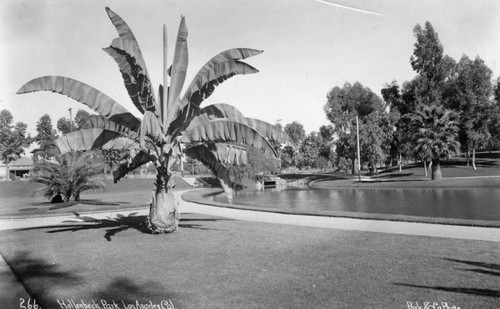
(21, 168)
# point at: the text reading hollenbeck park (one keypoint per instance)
(103, 304)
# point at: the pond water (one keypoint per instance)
(456, 203)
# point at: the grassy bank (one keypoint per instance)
(18, 200)
(218, 263)
(213, 262)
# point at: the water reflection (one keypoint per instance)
(459, 203)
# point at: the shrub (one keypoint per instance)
(69, 175)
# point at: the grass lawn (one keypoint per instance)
(17, 197)
(214, 262)
(219, 263)
(456, 173)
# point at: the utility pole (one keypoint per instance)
(281, 128)
(359, 157)
(70, 118)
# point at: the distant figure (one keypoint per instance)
(57, 198)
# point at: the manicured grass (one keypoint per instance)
(218, 263)
(25, 188)
(405, 182)
(214, 262)
(488, 164)
(455, 171)
(17, 198)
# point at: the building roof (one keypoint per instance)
(23, 160)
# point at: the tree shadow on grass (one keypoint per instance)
(29, 270)
(124, 292)
(73, 203)
(472, 291)
(463, 163)
(395, 175)
(118, 224)
(486, 269)
(389, 180)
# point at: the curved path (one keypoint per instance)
(379, 226)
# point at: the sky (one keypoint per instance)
(310, 46)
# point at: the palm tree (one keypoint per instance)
(69, 175)
(435, 133)
(169, 120)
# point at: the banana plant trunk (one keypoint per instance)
(400, 162)
(7, 172)
(164, 209)
(227, 185)
(474, 155)
(436, 170)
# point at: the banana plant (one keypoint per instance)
(169, 119)
(221, 157)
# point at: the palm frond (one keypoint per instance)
(71, 174)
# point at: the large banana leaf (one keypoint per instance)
(270, 131)
(151, 127)
(99, 122)
(126, 167)
(201, 88)
(227, 55)
(85, 94)
(226, 111)
(220, 152)
(223, 130)
(221, 111)
(90, 139)
(130, 49)
(218, 69)
(120, 25)
(213, 112)
(127, 53)
(207, 158)
(138, 160)
(163, 93)
(204, 85)
(135, 76)
(179, 68)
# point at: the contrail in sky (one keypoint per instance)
(350, 7)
